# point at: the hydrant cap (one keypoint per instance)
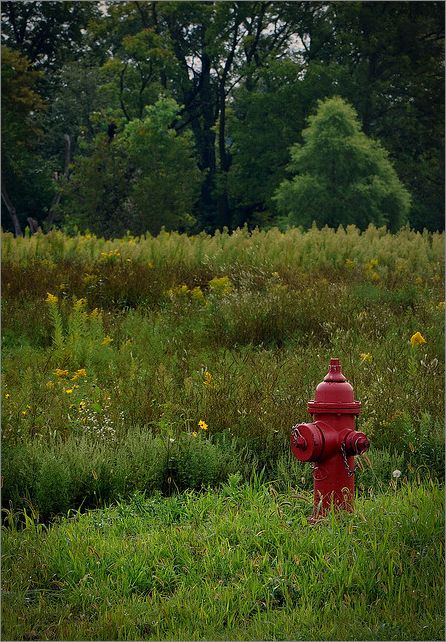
(335, 372)
(334, 394)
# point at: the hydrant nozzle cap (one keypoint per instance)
(335, 372)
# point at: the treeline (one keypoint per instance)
(132, 116)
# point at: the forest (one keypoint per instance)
(131, 117)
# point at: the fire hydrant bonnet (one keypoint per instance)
(334, 394)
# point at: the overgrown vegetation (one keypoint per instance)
(172, 362)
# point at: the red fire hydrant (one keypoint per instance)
(331, 442)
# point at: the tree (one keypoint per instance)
(166, 180)
(394, 55)
(342, 176)
(47, 33)
(26, 182)
(144, 179)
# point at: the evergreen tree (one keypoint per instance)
(341, 177)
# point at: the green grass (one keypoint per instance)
(238, 564)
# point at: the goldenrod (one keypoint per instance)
(417, 339)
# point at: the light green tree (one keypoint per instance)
(341, 176)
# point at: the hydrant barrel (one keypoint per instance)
(331, 442)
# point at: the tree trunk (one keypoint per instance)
(12, 211)
(56, 200)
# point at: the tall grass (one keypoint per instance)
(113, 349)
(241, 564)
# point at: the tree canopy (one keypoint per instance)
(244, 76)
(342, 176)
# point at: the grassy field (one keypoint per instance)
(238, 564)
(153, 382)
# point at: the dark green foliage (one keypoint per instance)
(342, 177)
(144, 180)
(246, 75)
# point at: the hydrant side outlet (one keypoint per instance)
(331, 442)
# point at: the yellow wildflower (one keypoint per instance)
(221, 286)
(24, 413)
(52, 299)
(106, 341)
(7, 395)
(440, 306)
(194, 434)
(197, 294)
(202, 424)
(366, 357)
(79, 304)
(50, 384)
(417, 339)
(69, 391)
(207, 378)
(78, 374)
(275, 275)
(60, 373)
(82, 405)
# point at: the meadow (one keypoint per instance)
(149, 386)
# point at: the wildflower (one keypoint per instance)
(371, 264)
(417, 339)
(50, 384)
(275, 275)
(89, 279)
(82, 405)
(78, 374)
(69, 391)
(7, 395)
(366, 357)
(60, 373)
(222, 285)
(194, 434)
(440, 306)
(24, 413)
(207, 378)
(51, 299)
(197, 294)
(79, 304)
(106, 341)
(202, 424)
(396, 474)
